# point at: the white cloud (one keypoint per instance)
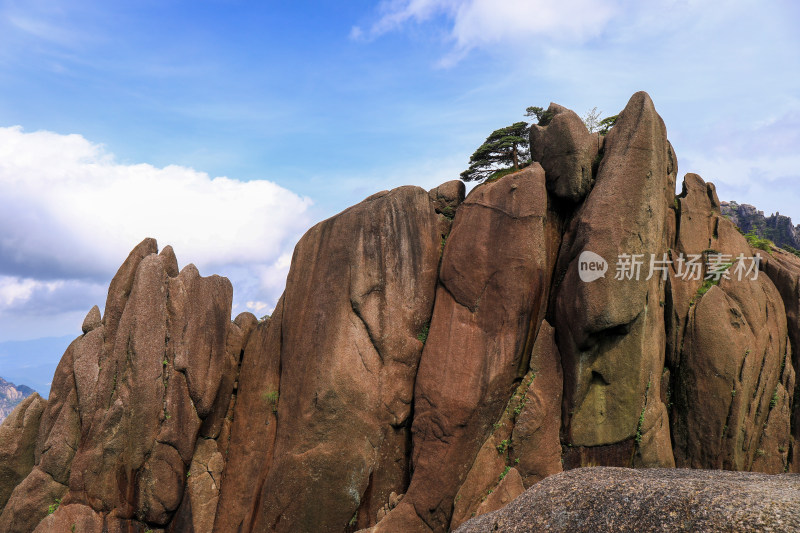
(70, 211)
(753, 153)
(14, 290)
(766, 181)
(256, 307)
(483, 23)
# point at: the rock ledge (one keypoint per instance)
(623, 499)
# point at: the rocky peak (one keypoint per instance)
(776, 227)
(433, 357)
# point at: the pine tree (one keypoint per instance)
(506, 148)
(606, 124)
(542, 116)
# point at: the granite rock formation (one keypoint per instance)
(433, 356)
(587, 500)
(131, 403)
(17, 441)
(567, 152)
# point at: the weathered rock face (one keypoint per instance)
(250, 448)
(509, 487)
(729, 396)
(783, 270)
(348, 358)
(535, 445)
(433, 356)
(17, 442)
(725, 399)
(698, 229)
(524, 442)
(492, 296)
(92, 321)
(130, 399)
(611, 331)
(56, 441)
(567, 152)
(447, 197)
(651, 499)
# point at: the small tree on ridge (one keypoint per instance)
(503, 149)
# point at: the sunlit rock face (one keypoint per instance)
(131, 401)
(434, 355)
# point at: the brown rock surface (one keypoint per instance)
(652, 499)
(731, 399)
(447, 197)
(30, 501)
(348, 361)
(199, 506)
(483, 476)
(409, 378)
(700, 229)
(74, 517)
(492, 460)
(509, 488)
(611, 331)
(567, 152)
(252, 436)
(535, 442)
(17, 442)
(129, 398)
(526, 435)
(726, 387)
(493, 290)
(111, 460)
(92, 321)
(120, 287)
(56, 441)
(783, 269)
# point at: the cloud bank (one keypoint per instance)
(759, 165)
(70, 213)
(481, 23)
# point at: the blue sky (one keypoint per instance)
(228, 128)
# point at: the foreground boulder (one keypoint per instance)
(621, 499)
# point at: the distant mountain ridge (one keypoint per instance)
(10, 396)
(33, 361)
(776, 227)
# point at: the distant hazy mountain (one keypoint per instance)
(776, 227)
(10, 396)
(33, 362)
